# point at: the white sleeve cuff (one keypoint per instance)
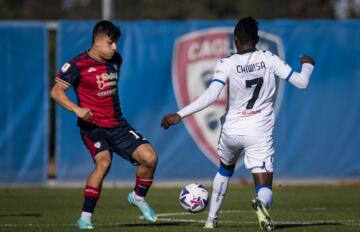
(307, 68)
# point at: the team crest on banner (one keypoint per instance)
(194, 58)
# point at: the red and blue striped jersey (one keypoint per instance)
(96, 86)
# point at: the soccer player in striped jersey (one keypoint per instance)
(94, 75)
(249, 119)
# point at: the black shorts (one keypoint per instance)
(123, 140)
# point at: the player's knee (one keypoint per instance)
(145, 156)
(226, 170)
(149, 160)
(264, 193)
(103, 165)
(152, 161)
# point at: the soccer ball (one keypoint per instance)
(194, 198)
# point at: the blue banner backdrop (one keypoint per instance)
(316, 133)
(24, 105)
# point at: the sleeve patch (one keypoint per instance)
(65, 67)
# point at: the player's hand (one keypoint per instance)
(169, 120)
(307, 59)
(83, 113)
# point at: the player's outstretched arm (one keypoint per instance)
(208, 97)
(301, 80)
(169, 120)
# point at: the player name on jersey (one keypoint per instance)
(251, 67)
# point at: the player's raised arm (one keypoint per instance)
(301, 80)
(284, 71)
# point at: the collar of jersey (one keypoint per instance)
(88, 53)
(247, 51)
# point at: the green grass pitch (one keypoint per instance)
(301, 208)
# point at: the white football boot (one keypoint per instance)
(265, 221)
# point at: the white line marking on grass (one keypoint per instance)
(163, 217)
(180, 220)
(238, 211)
(170, 214)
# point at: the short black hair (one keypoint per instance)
(106, 27)
(246, 30)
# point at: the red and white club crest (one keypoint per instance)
(194, 59)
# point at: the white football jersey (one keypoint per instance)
(251, 83)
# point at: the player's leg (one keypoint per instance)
(219, 189)
(131, 145)
(229, 149)
(102, 167)
(96, 143)
(259, 159)
(263, 200)
(92, 188)
(263, 187)
(146, 157)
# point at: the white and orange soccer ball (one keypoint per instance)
(194, 198)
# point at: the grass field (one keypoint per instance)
(305, 208)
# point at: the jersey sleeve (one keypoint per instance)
(280, 68)
(205, 99)
(68, 74)
(221, 72)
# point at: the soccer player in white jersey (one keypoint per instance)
(249, 120)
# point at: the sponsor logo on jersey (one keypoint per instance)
(106, 79)
(194, 58)
(91, 69)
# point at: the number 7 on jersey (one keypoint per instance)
(249, 83)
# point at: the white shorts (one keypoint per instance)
(258, 151)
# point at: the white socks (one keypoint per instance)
(86, 216)
(136, 197)
(265, 195)
(220, 185)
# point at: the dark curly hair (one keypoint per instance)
(106, 28)
(246, 30)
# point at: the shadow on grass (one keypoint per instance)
(158, 224)
(281, 226)
(292, 225)
(21, 215)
